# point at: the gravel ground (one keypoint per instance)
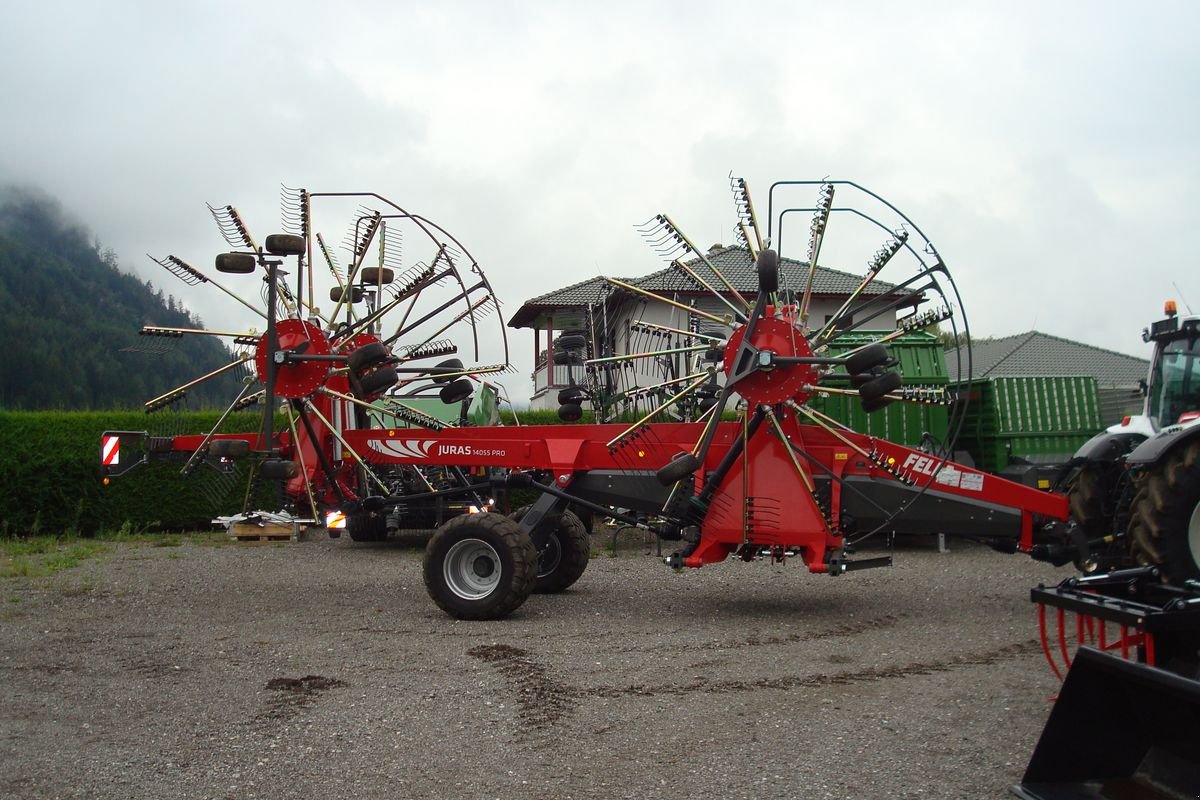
(320, 669)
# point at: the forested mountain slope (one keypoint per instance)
(70, 316)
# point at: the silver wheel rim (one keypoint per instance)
(1194, 536)
(472, 569)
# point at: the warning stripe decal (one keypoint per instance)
(110, 451)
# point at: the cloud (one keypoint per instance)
(1049, 150)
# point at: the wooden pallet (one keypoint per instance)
(271, 532)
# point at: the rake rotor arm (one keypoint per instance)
(218, 371)
(178, 267)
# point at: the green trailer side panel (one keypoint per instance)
(922, 363)
(921, 356)
(1029, 419)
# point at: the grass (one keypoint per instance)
(39, 556)
(42, 556)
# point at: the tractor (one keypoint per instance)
(1134, 489)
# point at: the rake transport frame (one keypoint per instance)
(781, 481)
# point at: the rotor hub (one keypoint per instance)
(299, 378)
(773, 337)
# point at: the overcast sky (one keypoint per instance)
(1049, 149)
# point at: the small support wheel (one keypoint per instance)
(480, 566)
(367, 527)
(565, 557)
(871, 356)
(367, 356)
(678, 468)
(228, 448)
(878, 387)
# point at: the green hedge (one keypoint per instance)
(50, 479)
(50, 475)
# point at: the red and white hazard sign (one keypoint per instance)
(110, 451)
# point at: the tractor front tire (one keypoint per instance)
(565, 557)
(480, 566)
(1165, 521)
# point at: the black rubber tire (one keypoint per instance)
(714, 355)
(286, 244)
(866, 359)
(857, 381)
(1085, 497)
(571, 341)
(229, 448)
(356, 294)
(452, 365)
(768, 271)
(367, 527)
(586, 516)
(877, 387)
(278, 469)
(378, 381)
(236, 263)
(570, 412)
(875, 403)
(565, 557)
(571, 394)
(679, 467)
(497, 543)
(373, 276)
(367, 356)
(562, 358)
(1164, 523)
(456, 391)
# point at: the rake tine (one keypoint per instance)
(817, 230)
(229, 221)
(662, 407)
(738, 314)
(690, 247)
(179, 390)
(203, 448)
(179, 268)
(745, 209)
(877, 263)
(726, 321)
(296, 209)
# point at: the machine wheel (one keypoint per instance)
(480, 566)
(679, 467)
(367, 356)
(378, 381)
(375, 275)
(565, 557)
(1165, 522)
(867, 358)
(367, 527)
(876, 388)
(228, 448)
(278, 469)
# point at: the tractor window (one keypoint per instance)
(1175, 384)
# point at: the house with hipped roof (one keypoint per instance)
(617, 321)
(1037, 354)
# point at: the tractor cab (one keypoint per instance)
(1173, 391)
(1173, 386)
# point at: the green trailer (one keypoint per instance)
(922, 363)
(1027, 427)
